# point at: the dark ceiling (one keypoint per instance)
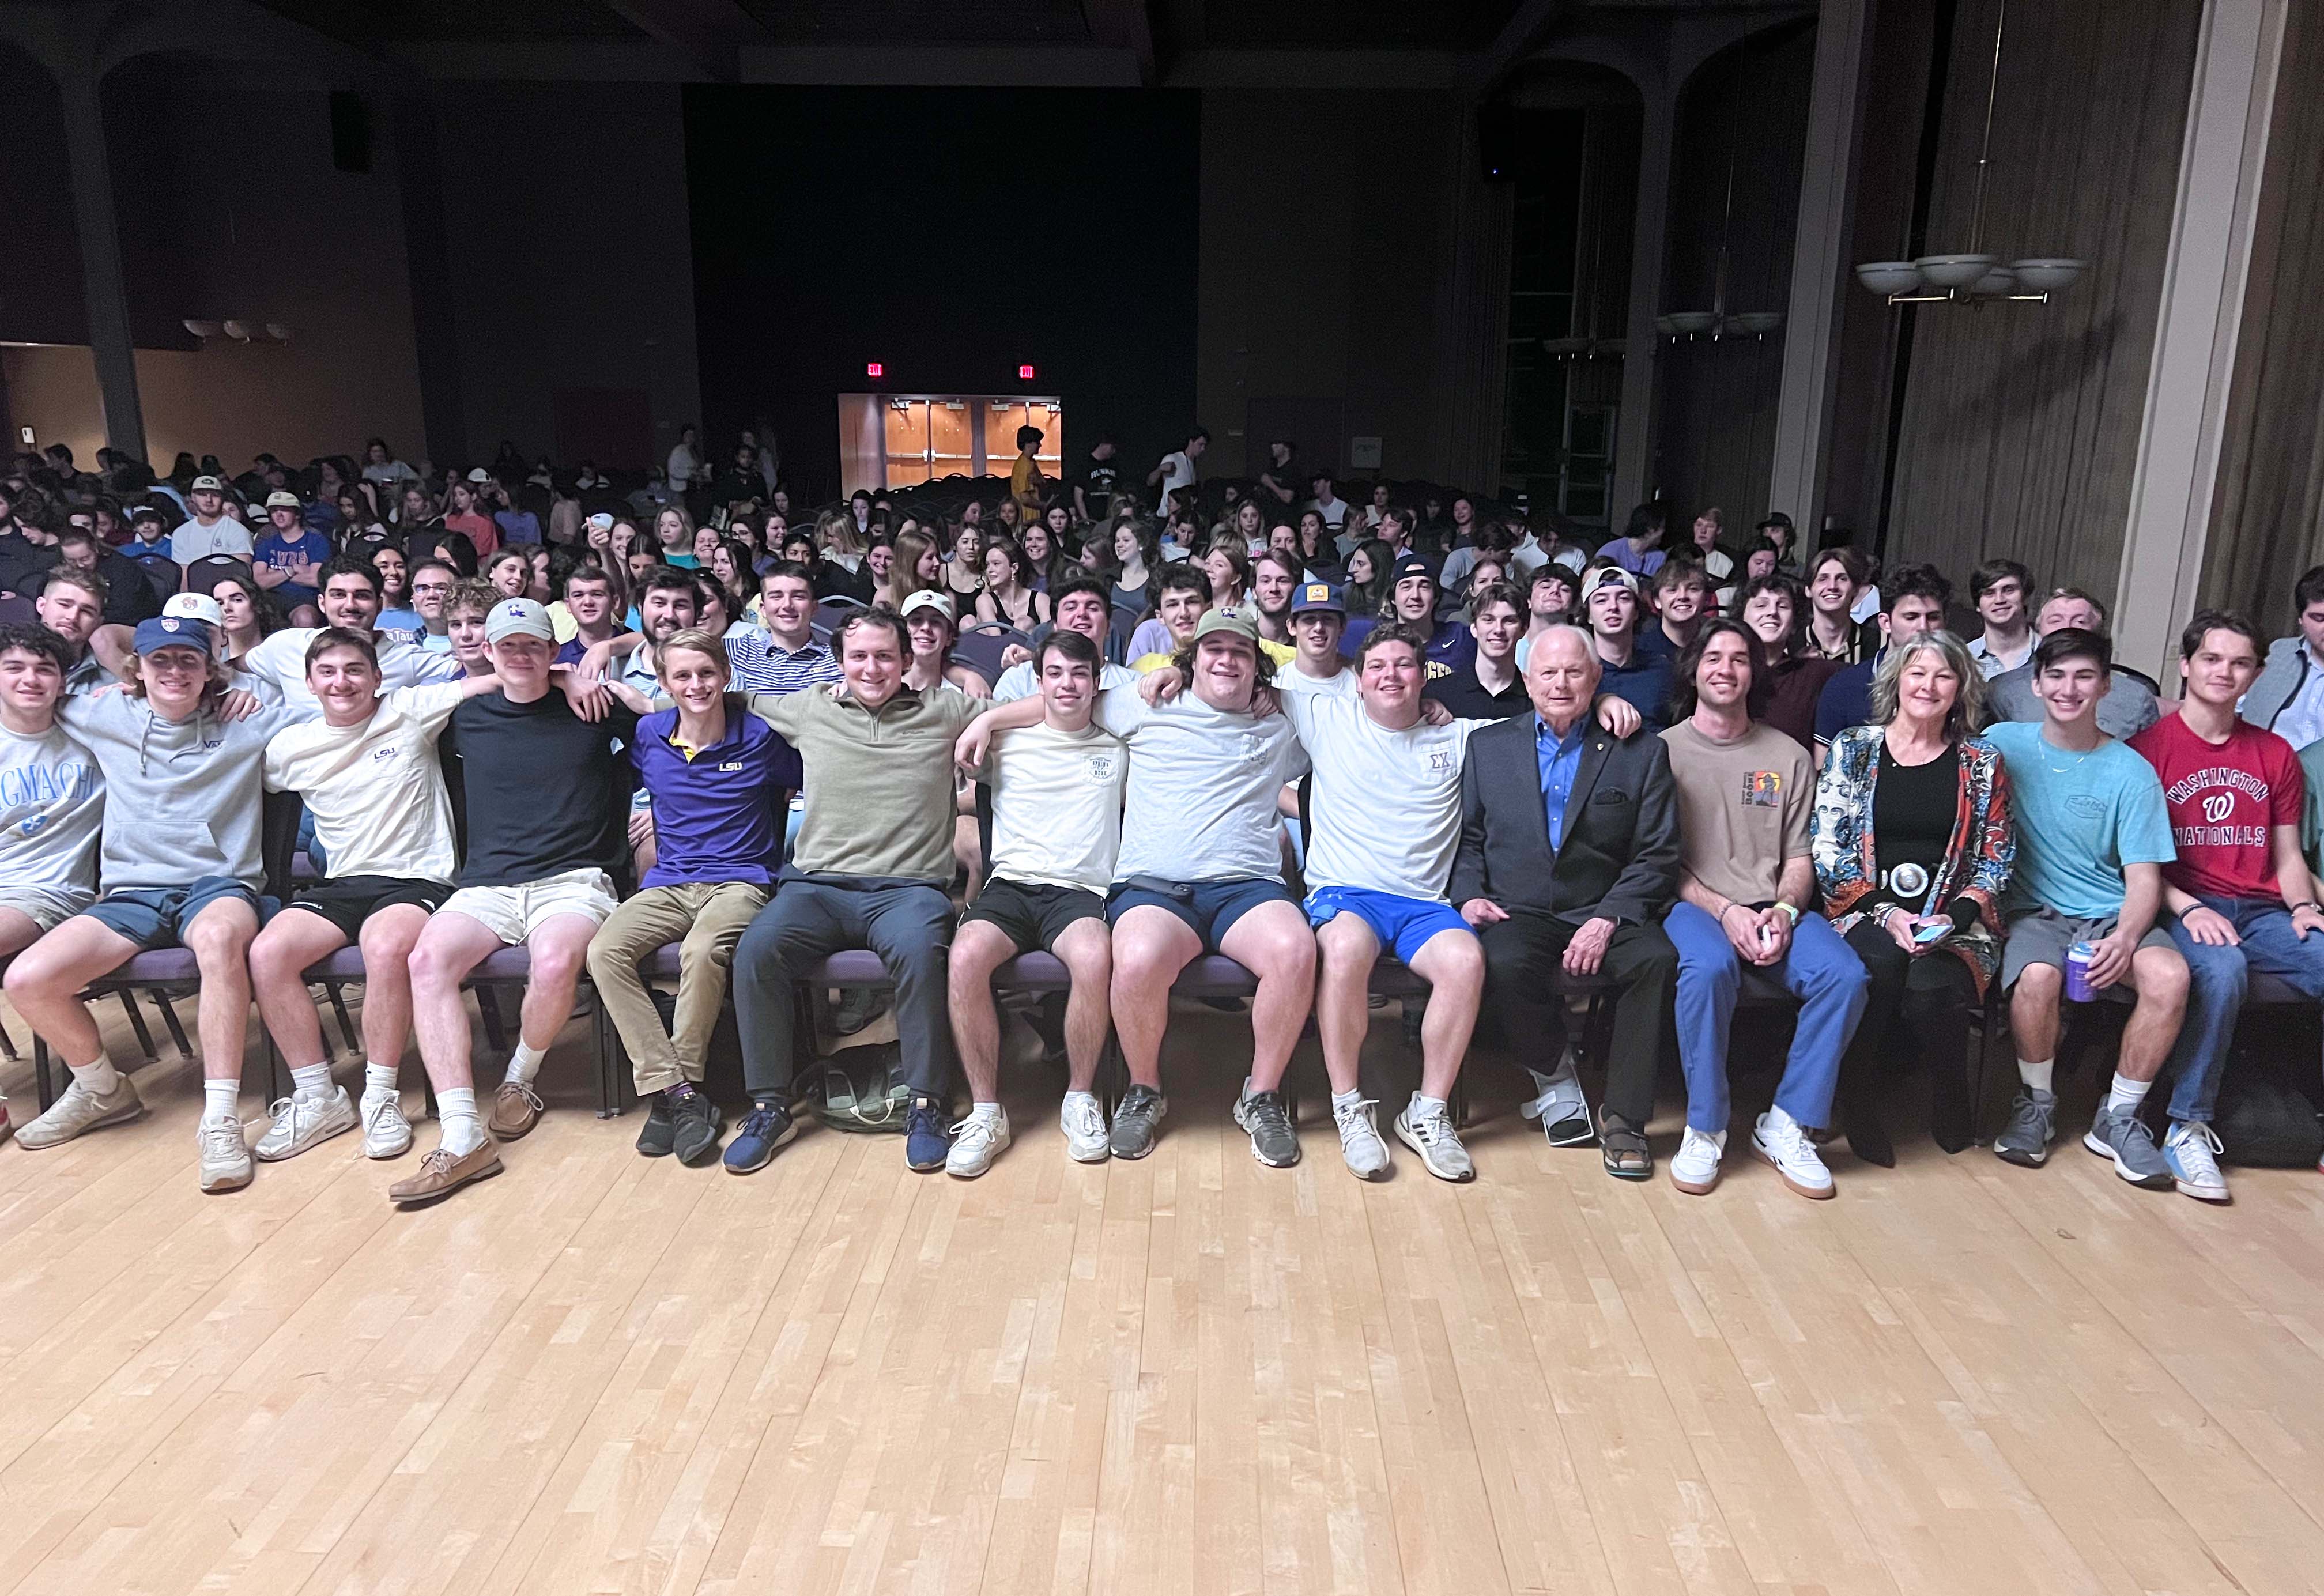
(1184, 25)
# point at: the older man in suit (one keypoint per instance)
(1568, 860)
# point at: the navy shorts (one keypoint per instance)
(1208, 909)
(157, 916)
(1402, 925)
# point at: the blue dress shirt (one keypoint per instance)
(1561, 761)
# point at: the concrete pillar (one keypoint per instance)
(103, 286)
(2222, 159)
(1634, 444)
(1821, 273)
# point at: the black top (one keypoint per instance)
(1913, 807)
(1466, 697)
(1098, 477)
(548, 791)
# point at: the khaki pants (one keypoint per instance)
(705, 920)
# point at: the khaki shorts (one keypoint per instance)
(512, 914)
(45, 906)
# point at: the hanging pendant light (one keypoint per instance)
(1974, 276)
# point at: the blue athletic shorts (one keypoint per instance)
(157, 916)
(1402, 924)
(1209, 909)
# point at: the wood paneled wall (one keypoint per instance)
(2267, 519)
(2021, 423)
(1716, 400)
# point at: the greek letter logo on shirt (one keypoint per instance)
(1440, 761)
(1763, 790)
(34, 826)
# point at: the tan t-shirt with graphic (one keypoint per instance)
(1743, 807)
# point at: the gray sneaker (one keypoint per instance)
(225, 1161)
(1359, 1141)
(2033, 1127)
(1273, 1141)
(2124, 1139)
(1429, 1132)
(301, 1121)
(1136, 1121)
(80, 1109)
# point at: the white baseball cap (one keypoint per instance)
(518, 617)
(194, 606)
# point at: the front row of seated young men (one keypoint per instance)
(467, 802)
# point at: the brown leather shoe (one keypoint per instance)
(441, 1174)
(516, 1110)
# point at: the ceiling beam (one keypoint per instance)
(1124, 25)
(711, 32)
(1513, 42)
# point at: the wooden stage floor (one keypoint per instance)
(1190, 1374)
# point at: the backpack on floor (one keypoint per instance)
(2264, 1124)
(864, 1089)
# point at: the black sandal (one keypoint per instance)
(1627, 1154)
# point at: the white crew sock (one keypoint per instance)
(1088, 1097)
(310, 1080)
(463, 1132)
(218, 1101)
(379, 1080)
(1423, 1107)
(2036, 1072)
(1341, 1100)
(2127, 1095)
(525, 1062)
(101, 1078)
(989, 1112)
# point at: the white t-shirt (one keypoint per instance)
(1202, 788)
(1057, 805)
(1385, 812)
(52, 802)
(1334, 515)
(279, 660)
(375, 790)
(1291, 679)
(1017, 681)
(1177, 472)
(192, 541)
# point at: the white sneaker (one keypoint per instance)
(1088, 1141)
(1783, 1142)
(1695, 1170)
(78, 1111)
(1429, 1132)
(301, 1121)
(1359, 1140)
(387, 1134)
(975, 1142)
(225, 1161)
(2191, 1150)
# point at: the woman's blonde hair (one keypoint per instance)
(1966, 716)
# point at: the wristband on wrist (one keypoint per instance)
(2308, 903)
(1791, 911)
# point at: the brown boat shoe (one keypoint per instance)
(442, 1173)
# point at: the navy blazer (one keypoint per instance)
(1619, 856)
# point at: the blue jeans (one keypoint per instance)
(2217, 979)
(1821, 970)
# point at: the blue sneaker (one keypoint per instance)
(764, 1129)
(927, 1140)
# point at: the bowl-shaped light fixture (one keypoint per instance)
(202, 328)
(2047, 274)
(1890, 277)
(1953, 271)
(278, 332)
(1758, 323)
(1691, 322)
(1996, 283)
(237, 330)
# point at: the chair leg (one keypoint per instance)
(8, 1046)
(277, 1086)
(339, 1007)
(603, 1047)
(488, 1005)
(177, 1031)
(42, 1074)
(137, 1023)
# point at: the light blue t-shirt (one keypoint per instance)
(2079, 818)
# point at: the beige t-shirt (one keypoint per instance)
(1743, 807)
(375, 790)
(1057, 805)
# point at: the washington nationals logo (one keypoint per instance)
(2219, 806)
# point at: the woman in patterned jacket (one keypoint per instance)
(1913, 850)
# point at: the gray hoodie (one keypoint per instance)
(181, 799)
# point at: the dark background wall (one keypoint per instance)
(951, 235)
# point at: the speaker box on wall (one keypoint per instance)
(1496, 143)
(350, 131)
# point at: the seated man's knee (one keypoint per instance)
(2160, 974)
(215, 940)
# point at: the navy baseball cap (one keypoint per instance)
(172, 631)
(1318, 596)
(1414, 564)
